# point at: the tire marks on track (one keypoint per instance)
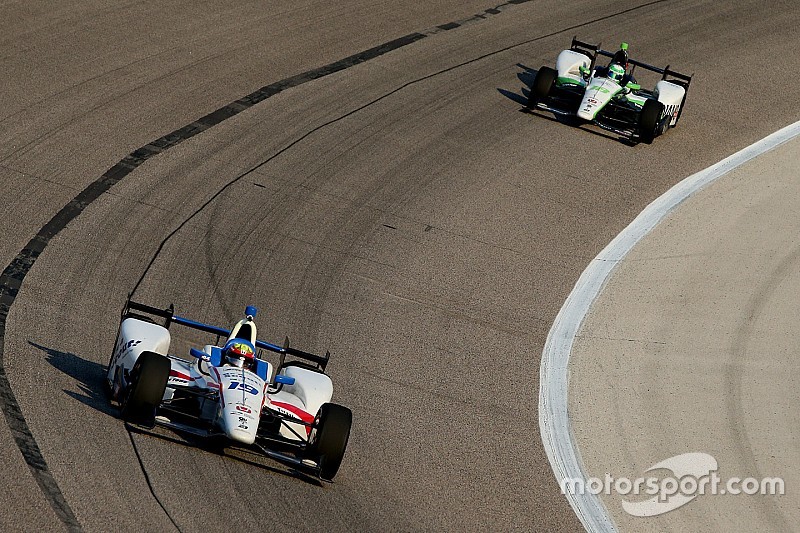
(14, 274)
(410, 39)
(149, 483)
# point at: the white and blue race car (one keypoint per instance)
(609, 96)
(227, 391)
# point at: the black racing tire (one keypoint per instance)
(542, 85)
(650, 120)
(149, 377)
(329, 438)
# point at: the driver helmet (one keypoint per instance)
(239, 353)
(616, 72)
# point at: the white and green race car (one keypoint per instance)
(609, 96)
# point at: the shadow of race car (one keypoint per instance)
(227, 391)
(609, 96)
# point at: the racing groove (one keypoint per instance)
(419, 212)
(14, 274)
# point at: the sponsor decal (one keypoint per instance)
(123, 348)
(243, 422)
(294, 412)
(241, 375)
(598, 88)
(243, 386)
(592, 101)
(671, 110)
(244, 409)
(174, 375)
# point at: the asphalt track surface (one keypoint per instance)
(401, 212)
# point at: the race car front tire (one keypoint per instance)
(650, 120)
(542, 85)
(145, 391)
(329, 439)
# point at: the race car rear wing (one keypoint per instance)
(667, 74)
(133, 309)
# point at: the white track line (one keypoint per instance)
(554, 421)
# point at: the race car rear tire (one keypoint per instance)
(650, 120)
(146, 388)
(329, 439)
(542, 85)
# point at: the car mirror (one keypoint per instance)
(633, 86)
(284, 380)
(203, 356)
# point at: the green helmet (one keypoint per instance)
(616, 72)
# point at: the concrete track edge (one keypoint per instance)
(554, 424)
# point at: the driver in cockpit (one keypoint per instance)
(239, 353)
(618, 67)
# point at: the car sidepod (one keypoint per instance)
(135, 336)
(672, 96)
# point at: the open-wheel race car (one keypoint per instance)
(609, 96)
(227, 391)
